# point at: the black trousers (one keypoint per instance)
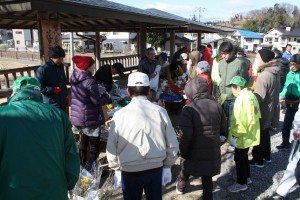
(207, 184)
(287, 123)
(263, 150)
(242, 165)
(93, 143)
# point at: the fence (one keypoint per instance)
(7, 76)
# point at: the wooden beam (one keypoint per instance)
(98, 50)
(143, 40)
(199, 38)
(172, 44)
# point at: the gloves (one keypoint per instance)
(117, 179)
(102, 89)
(166, 176)
(56, 90)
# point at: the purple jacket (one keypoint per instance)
(86, 100)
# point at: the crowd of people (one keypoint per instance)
(229, 99)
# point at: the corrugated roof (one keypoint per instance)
(293, 32)
(249, 34)
(93, 15)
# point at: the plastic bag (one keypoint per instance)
(88, 183)
(154, 81)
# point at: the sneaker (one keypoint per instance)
(249, 181)
(230, 149)
(268, 161)
(222, 139)
(279, 147)
(255, 164)
(237, 187)
(277, 197)
(179, 190)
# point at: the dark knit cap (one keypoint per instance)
(57, 52)
(295, 58)
(266, 55)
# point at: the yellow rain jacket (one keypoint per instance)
(245, 120)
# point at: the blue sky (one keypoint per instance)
(210, 9)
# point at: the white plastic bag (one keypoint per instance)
(154, 81)
(117, 179)
(166, 176)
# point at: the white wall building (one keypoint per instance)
(250, 41)
(280, 37)
(23, 38)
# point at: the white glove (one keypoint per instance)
(233, 141)
(166, 176)
(117, 179)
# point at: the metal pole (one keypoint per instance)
(71, 49)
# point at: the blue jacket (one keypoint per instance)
(50, 75)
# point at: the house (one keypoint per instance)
(248, 40)
(24, 38)
(280, 37)
(215, 39)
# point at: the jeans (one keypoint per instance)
(242, 165)
(228, 109)
(150, 182)
(263, 150)
(287, 123)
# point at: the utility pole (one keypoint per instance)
(200, 10)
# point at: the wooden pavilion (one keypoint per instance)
(51, 17)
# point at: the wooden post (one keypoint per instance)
(49, 34)
(199, 39)
(98, 49)
(172, 44)
(143, 40)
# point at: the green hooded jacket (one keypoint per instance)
(291, 86)
(245, 120)
(38, 154)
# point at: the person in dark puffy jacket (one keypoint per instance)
(53, 79)
(87, 98)
(201, 122)
(284, 66)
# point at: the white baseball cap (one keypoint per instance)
(138, 79)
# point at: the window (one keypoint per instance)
(289, 39)
(295, 39)
(275, 33)
(245, 46)
(283, 38)
(18, 41)
(276, 39)
(28, 42)
(268, 39)
(18, 32)
(248, 39)
(298, 41)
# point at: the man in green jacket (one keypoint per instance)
(38, 153)
(229, 67)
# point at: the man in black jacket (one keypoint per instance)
(53, 79)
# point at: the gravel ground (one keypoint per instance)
(265, 180)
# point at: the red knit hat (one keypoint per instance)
(83, 62)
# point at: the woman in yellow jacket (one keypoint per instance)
(244, 130)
